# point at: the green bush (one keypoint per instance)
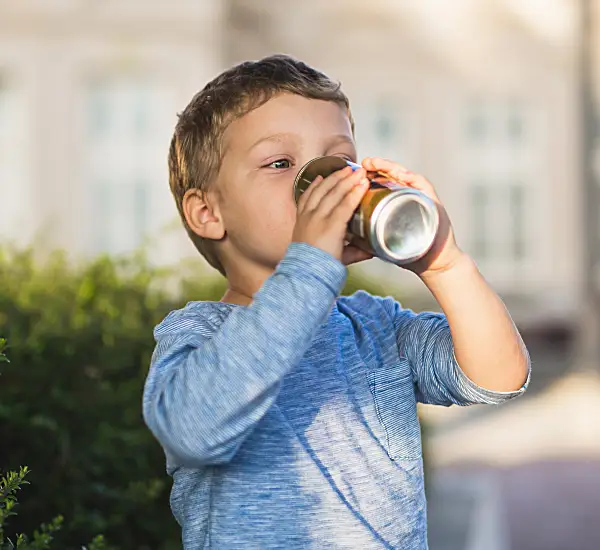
(70, 407)
(43, 537)
(70, 400)
(9, 485)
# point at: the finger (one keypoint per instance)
(343, 187)
(349, 202)
(352, 254)
(392, 169)
(400, 174)
(421, 183)
(325, 186)
(307, 193)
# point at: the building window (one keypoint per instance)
(516, 207)
(141, 113)
(477, 124)
(385, 125)
(102, 206)
(494, 123)
(128, 131)
(98, 112)
(515, 124)
(16, 195)
(479, 205)
(498, 223)
(141, 208)
(497, 155)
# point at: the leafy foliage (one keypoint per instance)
(42, 538)
(3, 358)
(81, 343)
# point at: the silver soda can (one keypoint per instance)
(395, 223)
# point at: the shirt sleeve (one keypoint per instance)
(206, 390)
(425, 340)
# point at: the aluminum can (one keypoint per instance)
(395, 223)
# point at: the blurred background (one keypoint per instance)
(495, 101)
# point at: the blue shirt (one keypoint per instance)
(292, 422)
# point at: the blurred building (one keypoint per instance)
(89, 93)
(482, 97)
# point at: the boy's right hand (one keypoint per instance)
(325, 209)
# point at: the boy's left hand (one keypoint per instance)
(444, 253)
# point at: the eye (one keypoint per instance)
(279, 164)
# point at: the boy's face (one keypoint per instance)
(264, 150)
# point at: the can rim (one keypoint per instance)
(377, 240)
(312, 161)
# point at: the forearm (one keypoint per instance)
(487, 345)
(204, 395)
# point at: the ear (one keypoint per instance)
(202, 214)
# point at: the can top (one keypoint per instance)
(405, 226)
(320, 166)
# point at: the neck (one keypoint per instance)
(244, 281)
(233, 296)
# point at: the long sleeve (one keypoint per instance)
(208, 387)
(425, 340)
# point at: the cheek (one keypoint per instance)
(288, 206)
(268, 209)
(277, 205)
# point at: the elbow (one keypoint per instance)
(520, 370)
(199, 454)
(189, 442)
(524, 370)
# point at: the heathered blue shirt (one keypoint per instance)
(292, 422)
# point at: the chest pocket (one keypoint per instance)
(396, 406)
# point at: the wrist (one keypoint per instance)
(461, 265)
(309, 261)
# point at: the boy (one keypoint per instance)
(288, 414)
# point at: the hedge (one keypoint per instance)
(80, 339)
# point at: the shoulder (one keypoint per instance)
(188, 327)
(377, 311)
(374, 314)
(200, 318)
(363, 304)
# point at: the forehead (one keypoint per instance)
(288, 114)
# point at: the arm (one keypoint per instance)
(205, 395)
(471, 355)
(426, 341)
(481, 337)
(487, 345)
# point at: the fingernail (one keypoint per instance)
(364, 181)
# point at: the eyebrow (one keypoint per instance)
(335, 139)
(341, 138)
(273, 137)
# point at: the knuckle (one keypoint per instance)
(319, 211)
(347, 184)
(342, 174)
(344, 208)
(350, 200)
(331, 178)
